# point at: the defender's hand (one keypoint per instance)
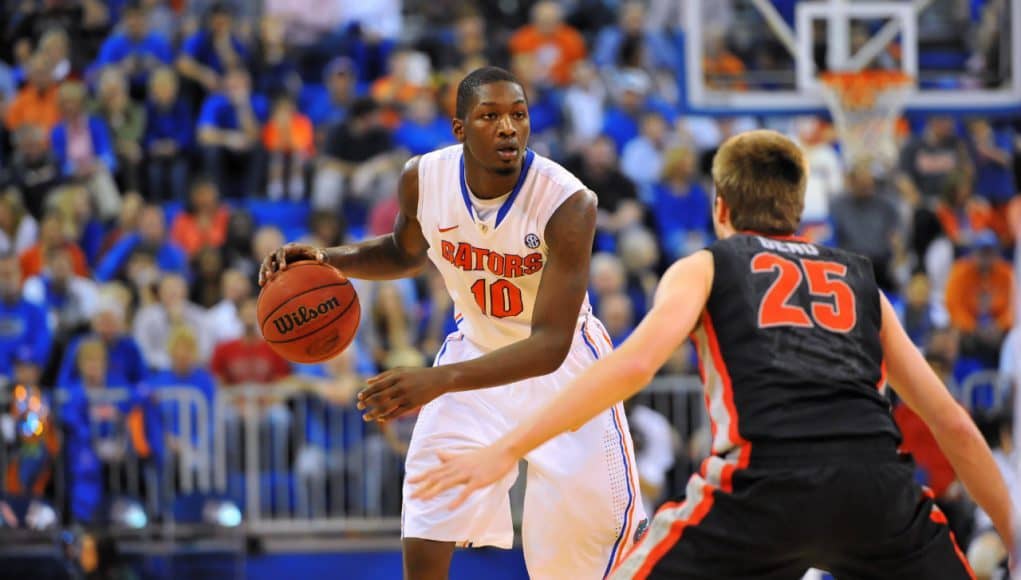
(399, 391)
(278, 260)
(474, 470)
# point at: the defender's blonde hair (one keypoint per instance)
(762, 177)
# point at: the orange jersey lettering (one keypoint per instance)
(533, 263)
(468, 258)
(479, 254)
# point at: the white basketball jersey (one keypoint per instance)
(491, 265)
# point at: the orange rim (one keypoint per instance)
(858, 90)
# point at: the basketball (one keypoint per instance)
(309, 312)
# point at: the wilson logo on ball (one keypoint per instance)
(301, 316)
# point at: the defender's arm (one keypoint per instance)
(953, 429)
(680, 299)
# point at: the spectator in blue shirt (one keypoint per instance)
(211, 52)
(274, 71)
(642, 159)
(136, 51)
(631, 89)
(68, 299)
(422, 128)
(126, 365)
(544, 103)
(185, 371)
(229, 127)
(151, 235)
(8, 90)
(329, 107)
(169, 137)
(84, 151)
(992, 152)
(655, 49)
(680, 206)
(8, 84)
(100, 432)
(331, 428)
(21, 322)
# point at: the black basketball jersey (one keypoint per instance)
(789, 344)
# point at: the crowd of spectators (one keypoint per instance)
(153, 151)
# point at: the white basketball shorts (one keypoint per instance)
(583, 506)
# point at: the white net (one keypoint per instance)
(865, 107)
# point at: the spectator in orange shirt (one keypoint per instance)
(961, 213)
(721, 68)
(36, 103)
(204, 224)
(289, 140)
(409, 73)
(557, 46)
(980, 299)
(53, 233)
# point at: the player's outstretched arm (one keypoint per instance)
(680, 299)
(950, 424)
(400, 254)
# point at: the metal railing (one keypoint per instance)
(298, 463)
(175, 465)
(305, 464)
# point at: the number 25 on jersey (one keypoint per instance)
(825, 281)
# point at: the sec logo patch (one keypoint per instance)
(532, 241)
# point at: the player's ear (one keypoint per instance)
(457, 125)
(721, 211)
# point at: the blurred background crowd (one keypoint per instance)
(152, 152)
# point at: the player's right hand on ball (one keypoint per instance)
(288, 254)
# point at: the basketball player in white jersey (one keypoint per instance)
(511, 232)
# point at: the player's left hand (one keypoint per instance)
(475, 470)
(400, 391)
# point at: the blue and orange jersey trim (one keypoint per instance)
(633, 498)
(505, 208)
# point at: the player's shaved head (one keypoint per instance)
(468, 89)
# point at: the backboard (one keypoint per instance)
(765, 56)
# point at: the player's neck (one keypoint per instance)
(724, 230)
(486, 184)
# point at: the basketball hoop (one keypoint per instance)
(865, 106)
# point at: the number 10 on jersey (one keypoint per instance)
(501, 299)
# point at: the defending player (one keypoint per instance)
(796, 344)
(511, 232)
